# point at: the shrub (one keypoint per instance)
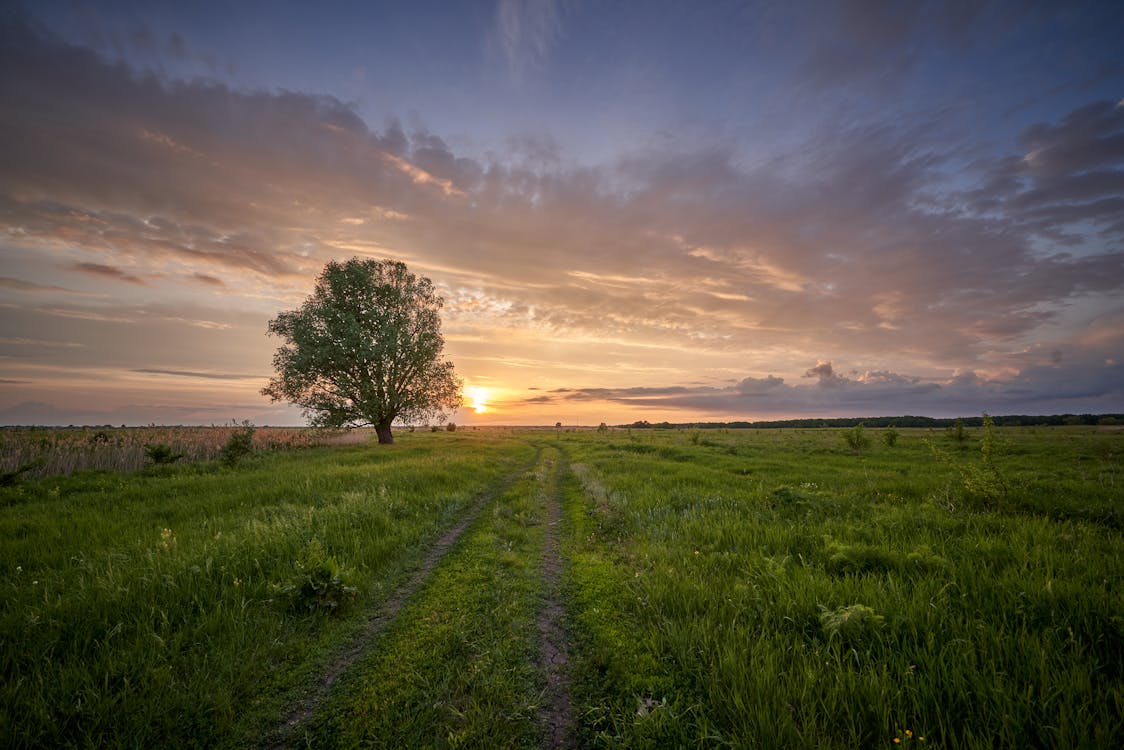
(238, 445)
(451, 427)
(985, 480)
(957, 433)
(856, 439)
(602, 427)
(158, 453)
(9, 478)
(890, 437)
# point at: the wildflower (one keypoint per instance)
(167, 538)
(909, 733)
(897, 740)
(237, 581)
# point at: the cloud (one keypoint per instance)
(882, 241)
(1035, 390)
(191, 172)
(527, 31)
(106, 272)
(1068, 177)
(19, 285)
(193, 374)
(207, 279)
(824, 374)
(21, 341)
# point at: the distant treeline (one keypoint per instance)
(1010, 420)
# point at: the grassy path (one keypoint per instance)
(288, 729)
(460, 664)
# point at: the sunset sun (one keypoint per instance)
(478, 399)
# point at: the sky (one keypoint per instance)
(661, 211)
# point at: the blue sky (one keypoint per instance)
(635, 210)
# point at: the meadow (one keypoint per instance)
(614, 588)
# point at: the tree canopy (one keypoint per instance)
(365, 349)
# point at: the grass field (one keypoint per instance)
(529, 588)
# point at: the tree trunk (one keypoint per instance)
(386, 437)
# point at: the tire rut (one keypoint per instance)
(282, 735)
(555, 713)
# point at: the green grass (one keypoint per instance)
(144, 609)
(457, 667)
(723, 588)
(774, 589)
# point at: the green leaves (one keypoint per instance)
(365, 349)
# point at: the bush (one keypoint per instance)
(986, 480)
(856, 439)
(890, 437)
(451, 427)
(158, 453)
(9, 478)
(239, 445)
(957, 433)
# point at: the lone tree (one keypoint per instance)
(365, 349)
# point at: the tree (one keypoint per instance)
(365, 350)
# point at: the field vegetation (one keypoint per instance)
(41, 451)
(843, 587)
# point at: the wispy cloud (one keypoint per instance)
(107, 272)
(20, 285)
(193, 374)
(527, 31)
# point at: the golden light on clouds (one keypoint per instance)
(637, 269)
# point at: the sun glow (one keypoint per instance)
(478, 398)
